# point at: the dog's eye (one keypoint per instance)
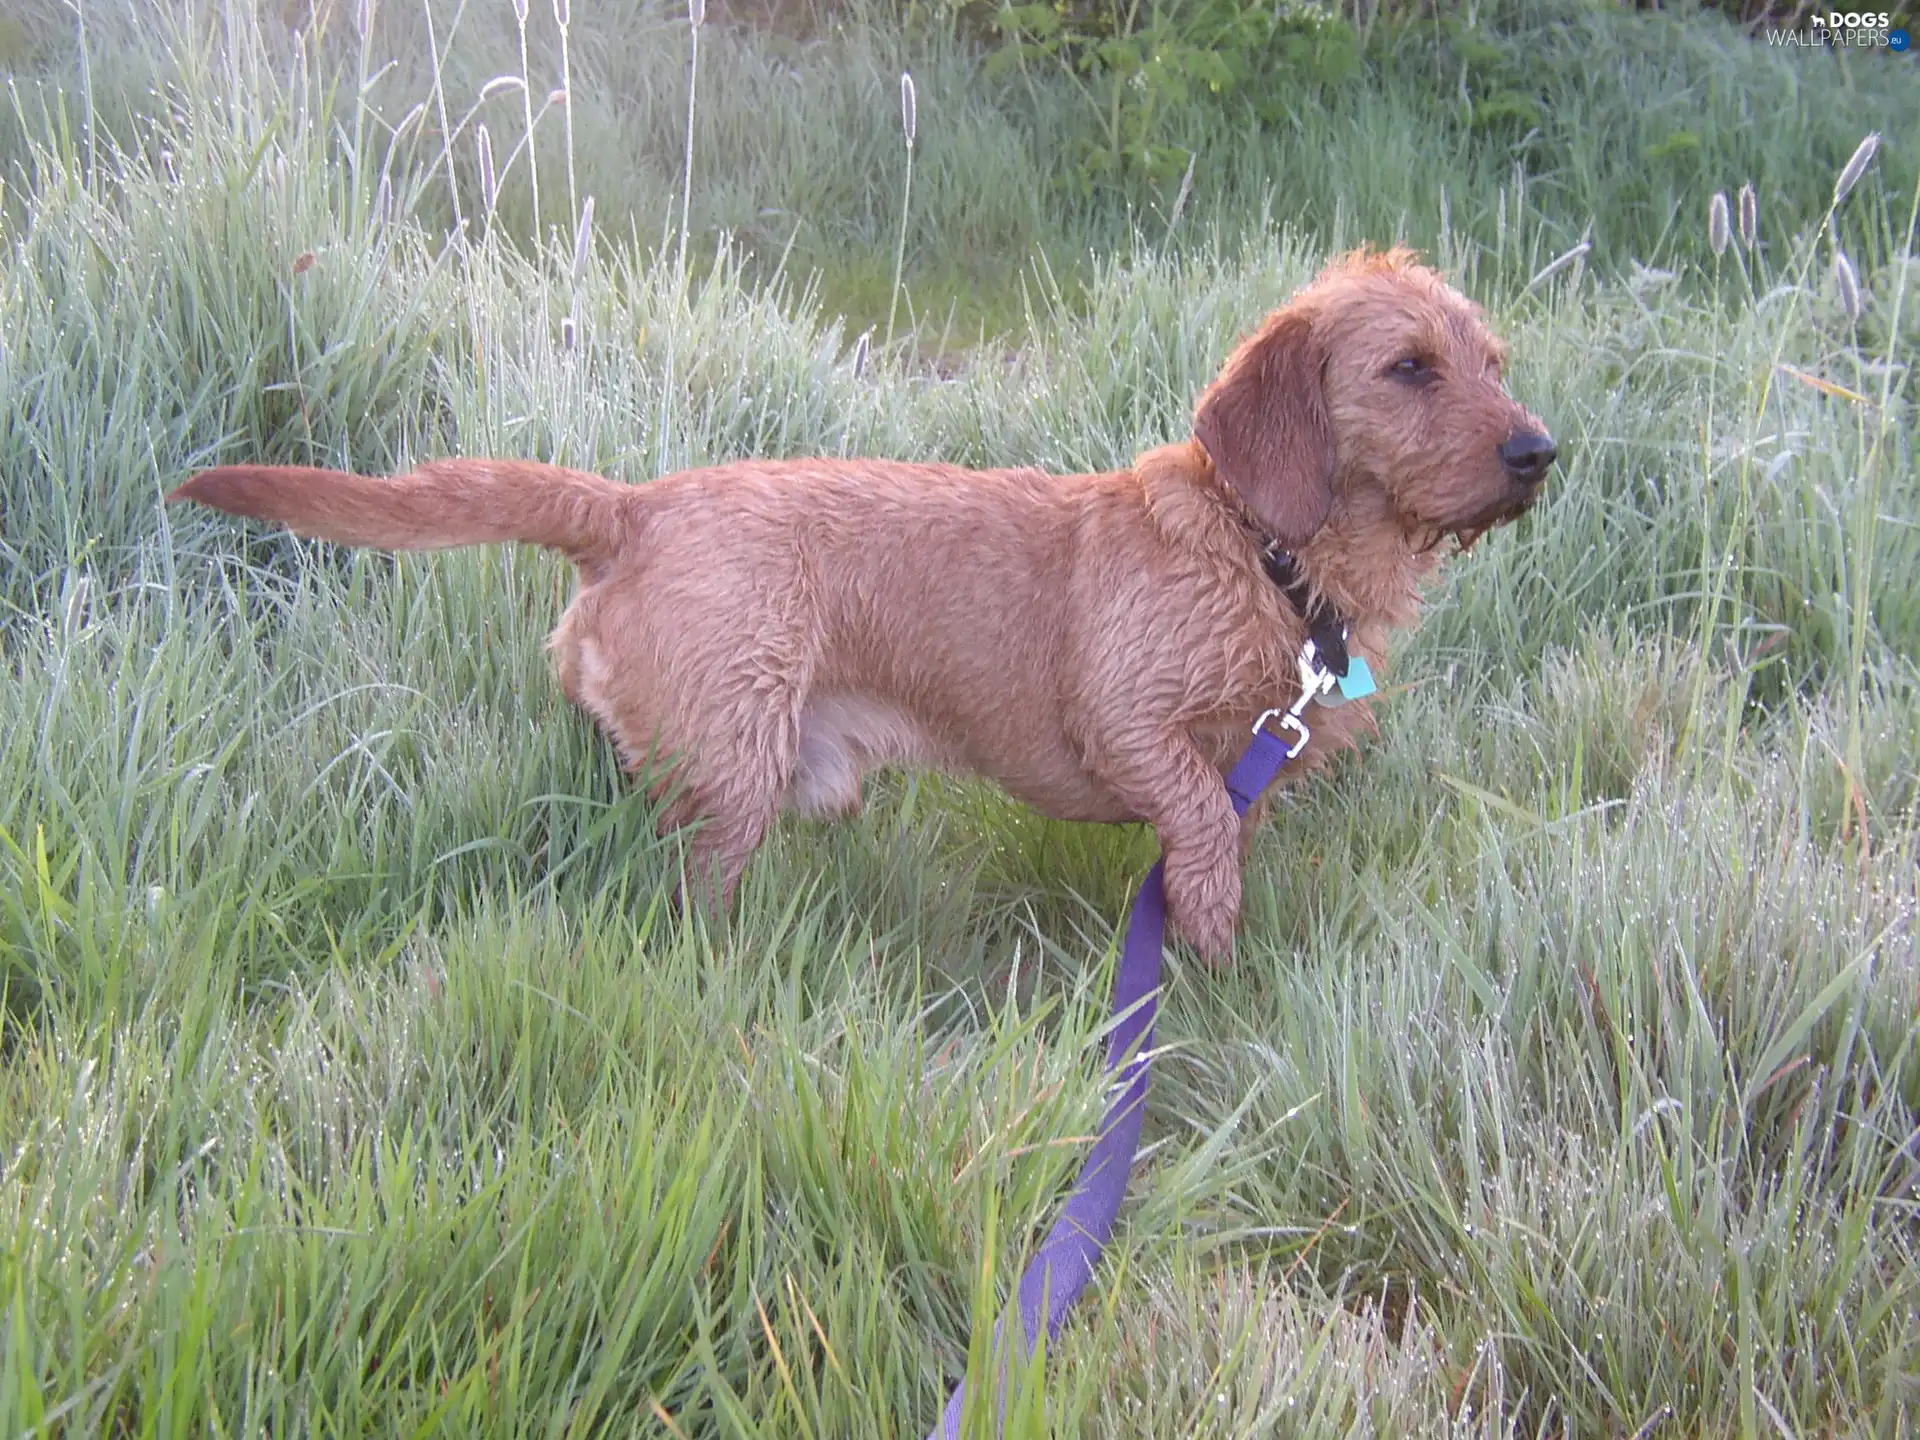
(1413, 369)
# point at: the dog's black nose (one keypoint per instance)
(1527, 456)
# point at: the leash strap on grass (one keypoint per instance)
(1057, 1275)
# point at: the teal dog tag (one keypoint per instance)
(1357, 683)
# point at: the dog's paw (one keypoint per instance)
(1203, 902)
(1208, 931)
(1215, 954)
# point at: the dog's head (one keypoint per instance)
(1378, 373)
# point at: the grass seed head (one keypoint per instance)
(1855, 167)
(1848, 285)
(489, 180)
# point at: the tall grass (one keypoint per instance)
(1638, 118)
(356, 1077)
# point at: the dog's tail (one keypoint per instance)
(438, 505)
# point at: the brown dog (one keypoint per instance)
(1100, 645)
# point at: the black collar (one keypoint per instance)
(1326, 626)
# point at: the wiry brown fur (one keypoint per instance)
(1097, 644)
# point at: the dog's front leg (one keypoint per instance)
(1180, 795)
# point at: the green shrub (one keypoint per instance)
(1135, 63)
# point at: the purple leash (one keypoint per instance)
(1064, 1264)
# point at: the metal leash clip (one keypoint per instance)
(1315, 680)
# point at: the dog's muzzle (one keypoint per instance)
(1528, 455)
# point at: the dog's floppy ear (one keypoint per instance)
(1264, 424)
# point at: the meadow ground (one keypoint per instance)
(355, 1077)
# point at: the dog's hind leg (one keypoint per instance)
(708, 712)
(727, 790)
(718, 852)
